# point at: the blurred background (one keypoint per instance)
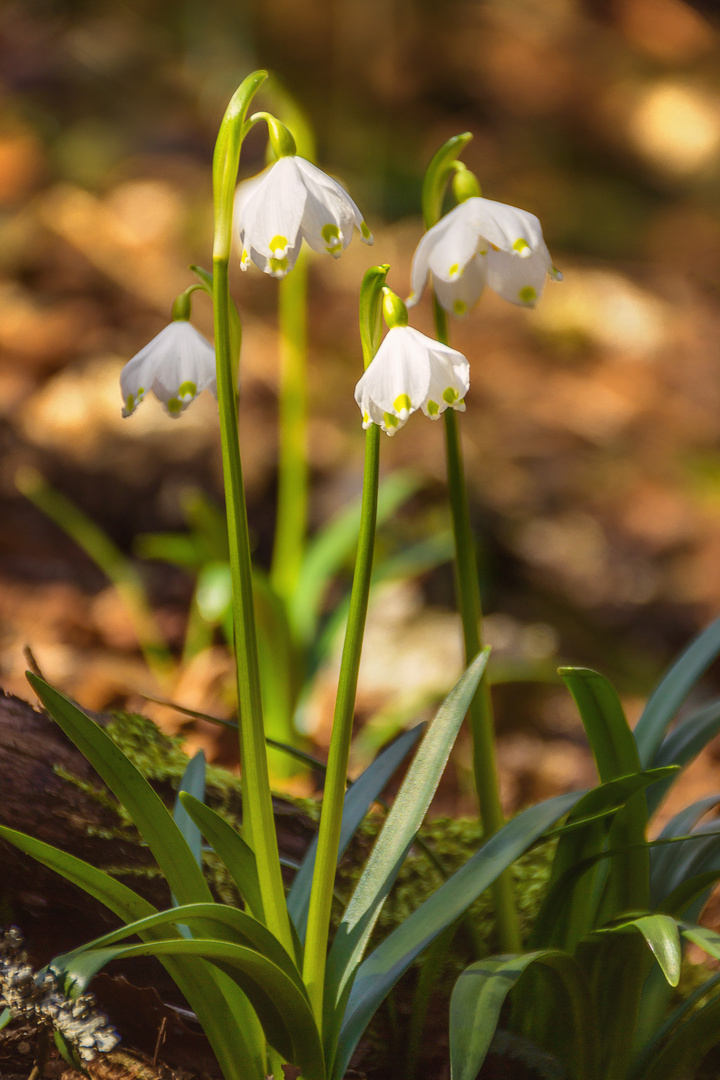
(592, 432)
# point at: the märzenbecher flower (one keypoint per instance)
(479, 243)
(411, 371)
(291, 201)
(176, 365)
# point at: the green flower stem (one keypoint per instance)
(258, 821)
(480, 713)
(321, 895)
(292, 452)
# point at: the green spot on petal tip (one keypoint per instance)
(433, 408)
(450, 395)
(187, 390)
(528, 295)
(278, 246)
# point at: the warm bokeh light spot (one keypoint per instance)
(676, 127)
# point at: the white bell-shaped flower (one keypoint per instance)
(291, 201)
(411, 371)
(479, 243)
(176, 365)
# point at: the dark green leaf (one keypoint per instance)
(396, 836)
(227, 1020)
(662, 935)
(672, 690)
(682, 746)
(479, 995)
(358, 800)
(283, 1010)
(569, 909)
(220, 921)
(377, 975)
(146, 809)
(193, 782)
(236, 856)
(616, 755)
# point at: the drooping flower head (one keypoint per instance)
(291, 201)
(479, 243)
(410, 371)
(176, 365)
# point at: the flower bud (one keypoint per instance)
(394, 310)
(465, 184)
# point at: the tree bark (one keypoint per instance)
(50, 791)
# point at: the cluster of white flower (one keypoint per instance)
(479, 243)
(39, 998)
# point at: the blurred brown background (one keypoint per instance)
(593, 425)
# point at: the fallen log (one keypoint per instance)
(50, 791)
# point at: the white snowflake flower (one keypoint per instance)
(411, 371)
(291, 201)
(176, 365)
(479, 243)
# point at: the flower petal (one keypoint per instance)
(449, 381)
(176, 365)
(411, 371)
(456, 244)
(460, 295)
(270, 218)
(521, 281)
(507, 227)
(315, 178)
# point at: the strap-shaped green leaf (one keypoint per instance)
(152, 819)
(379, 972)
(480, 992)
(226, 1018)
(616, 755)
(606, 726)
(688, 892)
(682, 746)
(358, 800)
(671, 691)
(666, 873)
(193, 781)
(234, 853)
(282, 1008)
(652, 1052)
(398, 832)
(681, 1052)
(220, 921)
(662, 934)
(124, 901)
(697, 853)
(569, 909)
